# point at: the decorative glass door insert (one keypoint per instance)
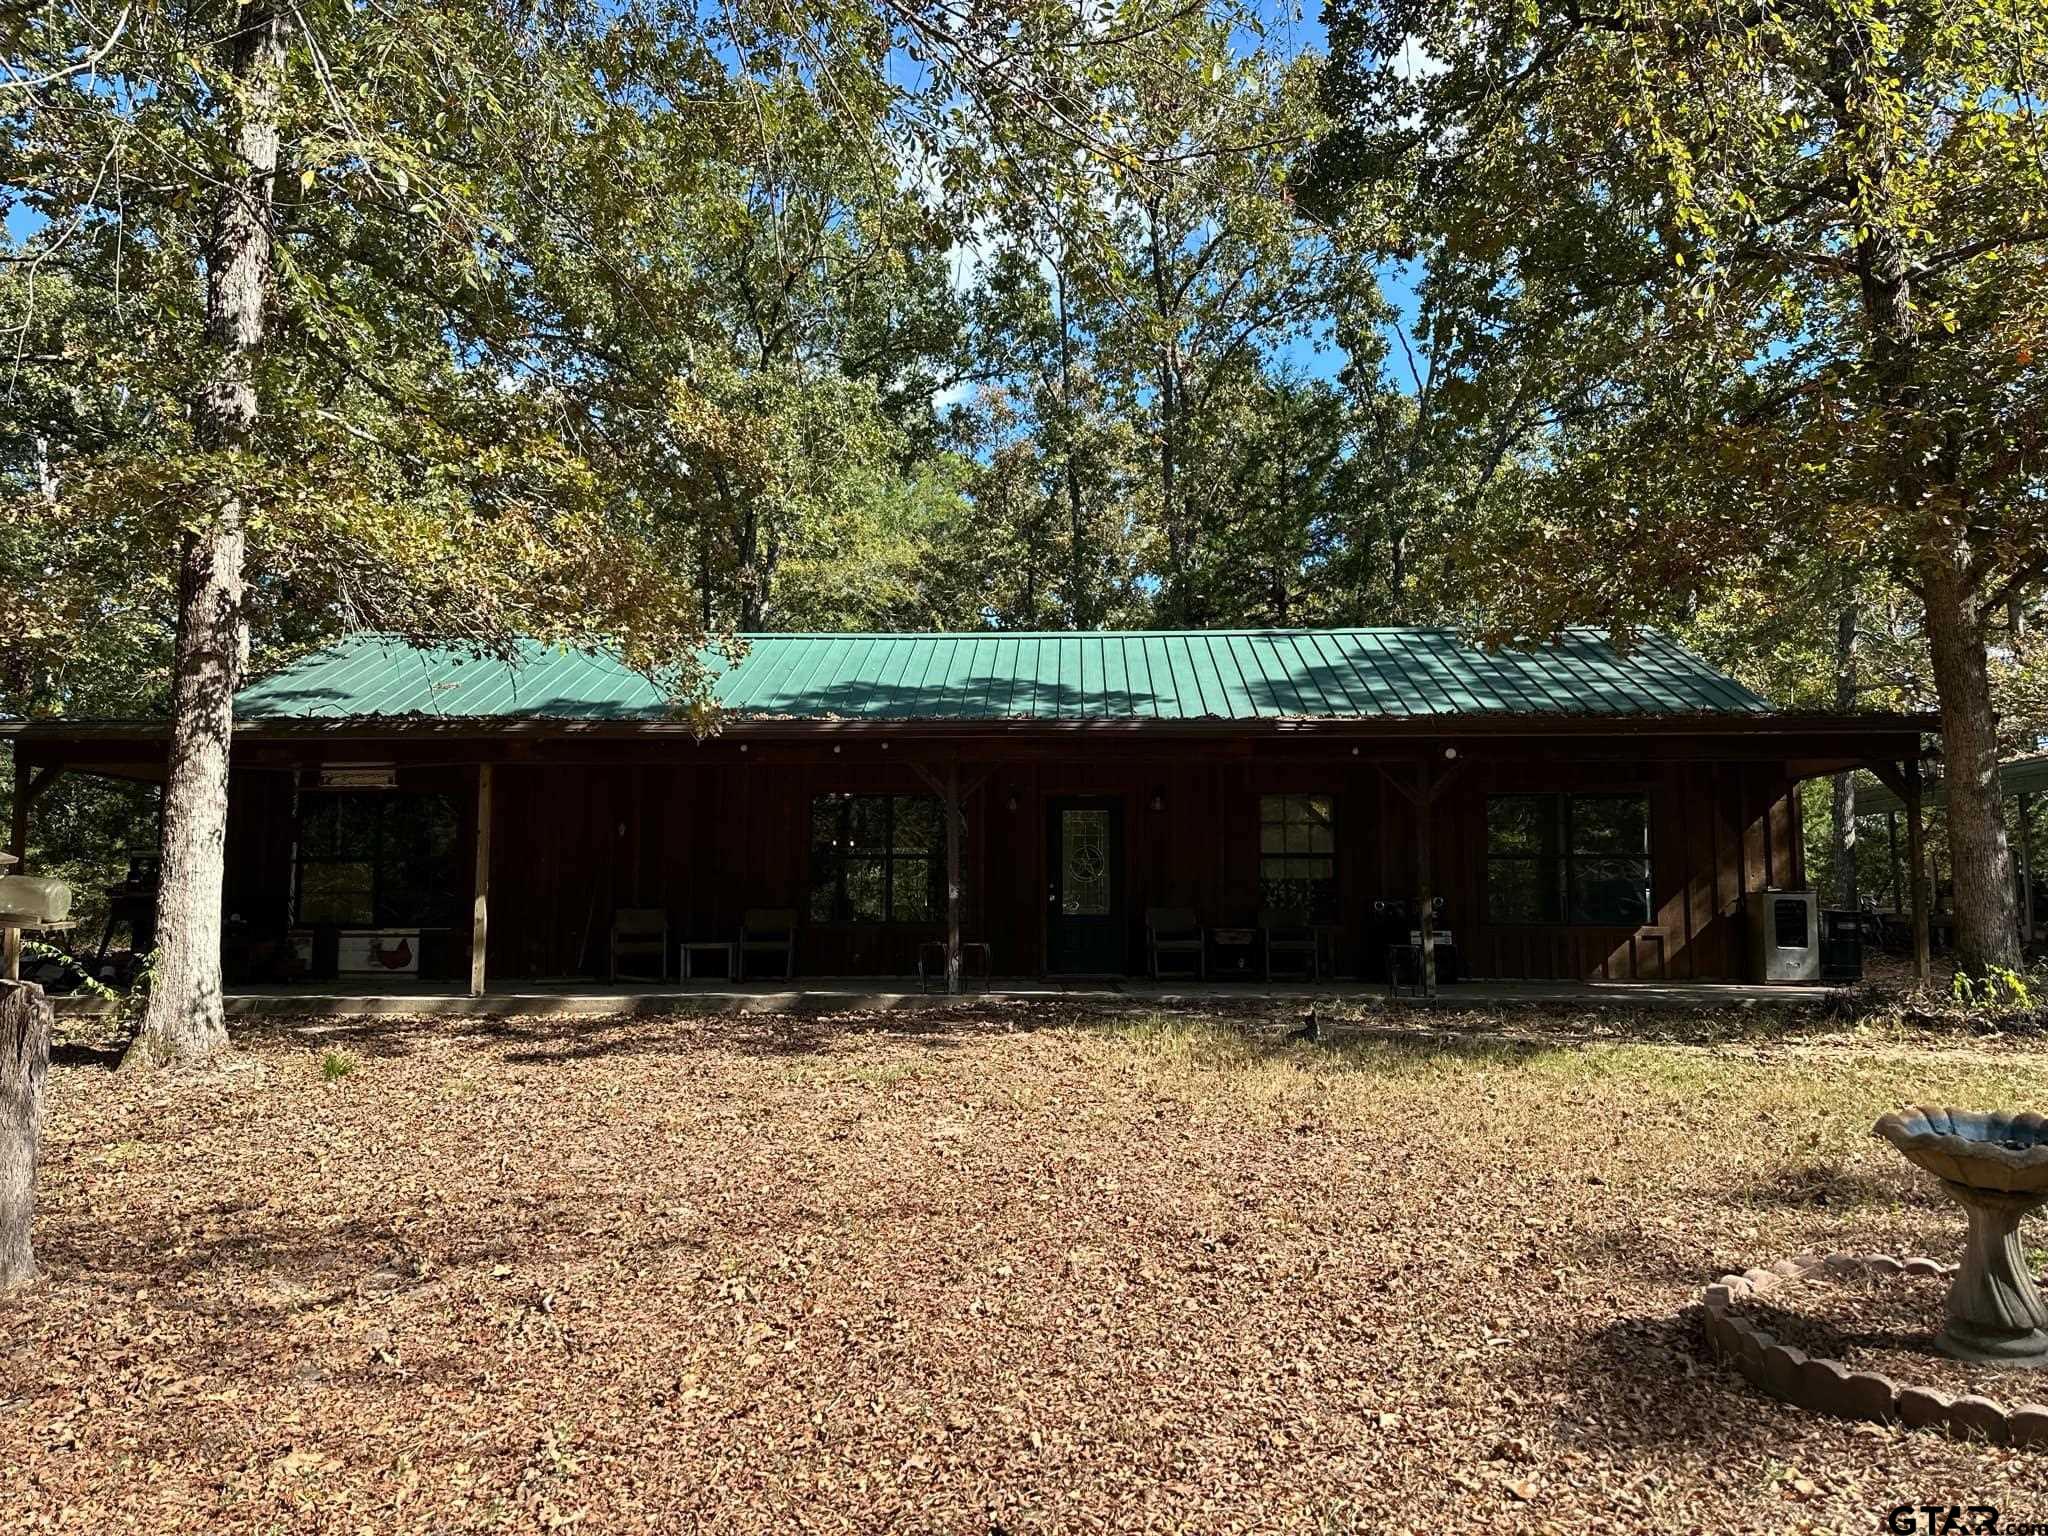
(1084, 863)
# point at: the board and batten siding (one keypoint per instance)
(707, 835)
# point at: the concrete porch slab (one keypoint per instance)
(874, 995)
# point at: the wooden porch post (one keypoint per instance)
(952, 796)
(1425, 920)
(479, 922)
(1891, 853)
(17, 847)
(2026, 804)
(1422, 795)
(953, 876)
(17, 840)
(1916, 860)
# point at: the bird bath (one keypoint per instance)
(1995, 1166)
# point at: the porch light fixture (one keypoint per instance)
(1158, 799)
(1011, 803)
(1450, 754)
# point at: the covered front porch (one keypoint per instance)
(512, 866)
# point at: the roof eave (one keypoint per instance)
(1502, 723)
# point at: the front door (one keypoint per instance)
(1084, 925)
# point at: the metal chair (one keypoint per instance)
(768, 931)
(638, 932)
(1172, 931)
(1291, 944)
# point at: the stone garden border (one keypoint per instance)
(1829, 1386)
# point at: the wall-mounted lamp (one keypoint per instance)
(1450, 754)
(1011, 803)
(1158, 799)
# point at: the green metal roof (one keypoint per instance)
(1218, 675)
(2020, 775)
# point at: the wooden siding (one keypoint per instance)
(707, 834)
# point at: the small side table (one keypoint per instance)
(1234, 954)
(1404, 958)
(931, 948)
(695, 947)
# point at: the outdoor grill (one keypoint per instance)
(27, 902)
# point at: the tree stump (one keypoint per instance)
(24, 1061)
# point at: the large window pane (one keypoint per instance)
(919, 824)
(917, 894)
(1297, 856)
(1521, 824)
(333, 891)
(1611, 891)
(876, 859)
(1521, 891)
(867, 890)
(868, 823)
(377, 859)
(825, 874)
(828, 820)
(1610, 824)
(1568, 858)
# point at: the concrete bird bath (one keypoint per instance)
(1994, 1165)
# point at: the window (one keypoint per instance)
(376, 860)
(1298, 855)
(878, 859)
(1568, 858)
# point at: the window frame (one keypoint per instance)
(1324, 912)
(1566, 856)
(381, 859)
(843, 853)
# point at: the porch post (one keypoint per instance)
(1891, 853)
(17, 840)
(2026, 804)
(1425, 925)
(17, 847)
(479, 921)
(953, 876)
(1916, 860)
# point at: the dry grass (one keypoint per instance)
(1002, 1271)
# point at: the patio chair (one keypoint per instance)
(638, 933)
(1172, 932)
(768, 931)
(1293, 950)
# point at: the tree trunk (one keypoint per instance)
(1179, 603)
(1081, 587)
(1848, 889)
(24, 1060)
(1980, 857)
(185, 1021)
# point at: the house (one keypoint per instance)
(1580, 812)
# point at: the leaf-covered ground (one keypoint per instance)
(1006, 1270)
